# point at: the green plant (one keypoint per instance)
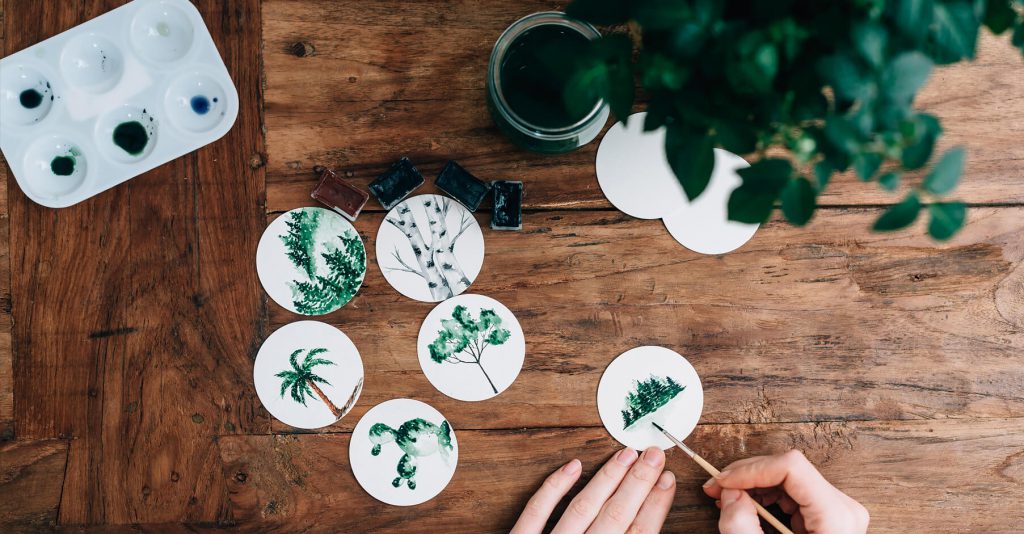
(301, 381)
(648, 396)
(463, 334)
(830, 83)
(346, 265)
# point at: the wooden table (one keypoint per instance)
(130, 321)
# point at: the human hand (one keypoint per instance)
(625, 494)
(789, 479)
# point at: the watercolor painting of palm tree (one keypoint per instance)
(327, 287)
(435, 261)
(463, 339)
(302, 383)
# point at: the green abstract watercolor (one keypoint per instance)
(648, 396)
(302, 382)
(464, 335)
(331, 286)
(417, 438)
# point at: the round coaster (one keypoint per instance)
(471, 347)
(645, 385)
(308, 374)
(634, 173)
(703, 225)
(311, 261)
(403, 452)
(430, 248)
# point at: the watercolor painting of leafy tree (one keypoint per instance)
(435, 262)
(344, 265)
(463, 339)
(302, 382)
(647, 397)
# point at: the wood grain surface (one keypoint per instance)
(128, 323)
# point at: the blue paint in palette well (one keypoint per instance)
(201, 105)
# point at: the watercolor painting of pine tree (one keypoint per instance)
(328, 284)
(463, 339)
(435, 261)
(648, 396)
(302, 382)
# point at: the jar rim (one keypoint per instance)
(516, 29)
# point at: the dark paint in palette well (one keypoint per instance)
(30, 98)
(131, 136)
(202, 105)
(62, 165)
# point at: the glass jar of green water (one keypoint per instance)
(525, 88)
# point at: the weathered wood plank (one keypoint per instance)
(376, 82)
(798, 325)
(6, 352)
(31, 473)
(967, 475)
(135, 330)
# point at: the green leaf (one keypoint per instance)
(823, 172)
(946, 173)
(798, 200)
(866, 165)
(947, 219)
(736, 137)
(752, 202)
(900, 215)
(1018, 36)
(912, 17)
(955, 32)
(890, 181)
(999, 15)
(600, 12)
(606, 71)
(846, 77)
(927, 129)
(692, 158)
(871, 38)
(905, 74)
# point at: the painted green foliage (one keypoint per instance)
(648, 396)
(417, 438)
(302, 382)
(345, 265)
(464, 335)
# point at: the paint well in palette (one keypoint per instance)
(30, 98)
(202, 105)
(131, 136)
(63, 165)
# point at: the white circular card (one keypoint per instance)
(471, 347)
(645, 385)
(430, 248)
(703, 225)
(634, 173)
(403, 452)
(311, 261)
(308, 374)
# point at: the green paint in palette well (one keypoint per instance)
(647, 397)
(302, 382)
(345, 265)
(62, 165)
(463, 335)
(417, 438)
(131, 136)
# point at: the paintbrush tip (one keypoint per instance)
(656, 425)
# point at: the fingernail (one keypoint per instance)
(574, 466)
(730, 496)
(666, 480)
(653, 456)
(723, 474)
(626, 456)
(710, 482)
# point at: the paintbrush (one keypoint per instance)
(765, 514)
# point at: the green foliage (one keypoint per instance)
(464, 335)
(648, 396)
(947, 218)
(299, 242)
(324, 293)
(300, 377)
(830, 83)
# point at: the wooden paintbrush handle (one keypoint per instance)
(765, 514)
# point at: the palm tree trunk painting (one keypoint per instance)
(301, 382)
(463, 335)
(320, 393)
(436, 262)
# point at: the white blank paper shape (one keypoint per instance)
(308, 374)
(471, 347)
(703, 225)
(649, 384)
(430, 248)
(634, 173)
(403, 452)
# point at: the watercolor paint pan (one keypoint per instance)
(396, 184)
(339, 195)
(508, 205)
(112, 98)
(469, 190)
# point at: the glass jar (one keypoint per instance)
(532, 114)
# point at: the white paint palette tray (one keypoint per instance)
(112, 98)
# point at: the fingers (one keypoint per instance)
(791, 470)
(739, 516)
(538, 509)
(620, 510)
(583, 508)
(655, 508)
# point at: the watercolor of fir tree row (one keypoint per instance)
(645, 385)
(471, 347)
(430, 248)
(311, 261)
(403, 452)
(308, 374)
